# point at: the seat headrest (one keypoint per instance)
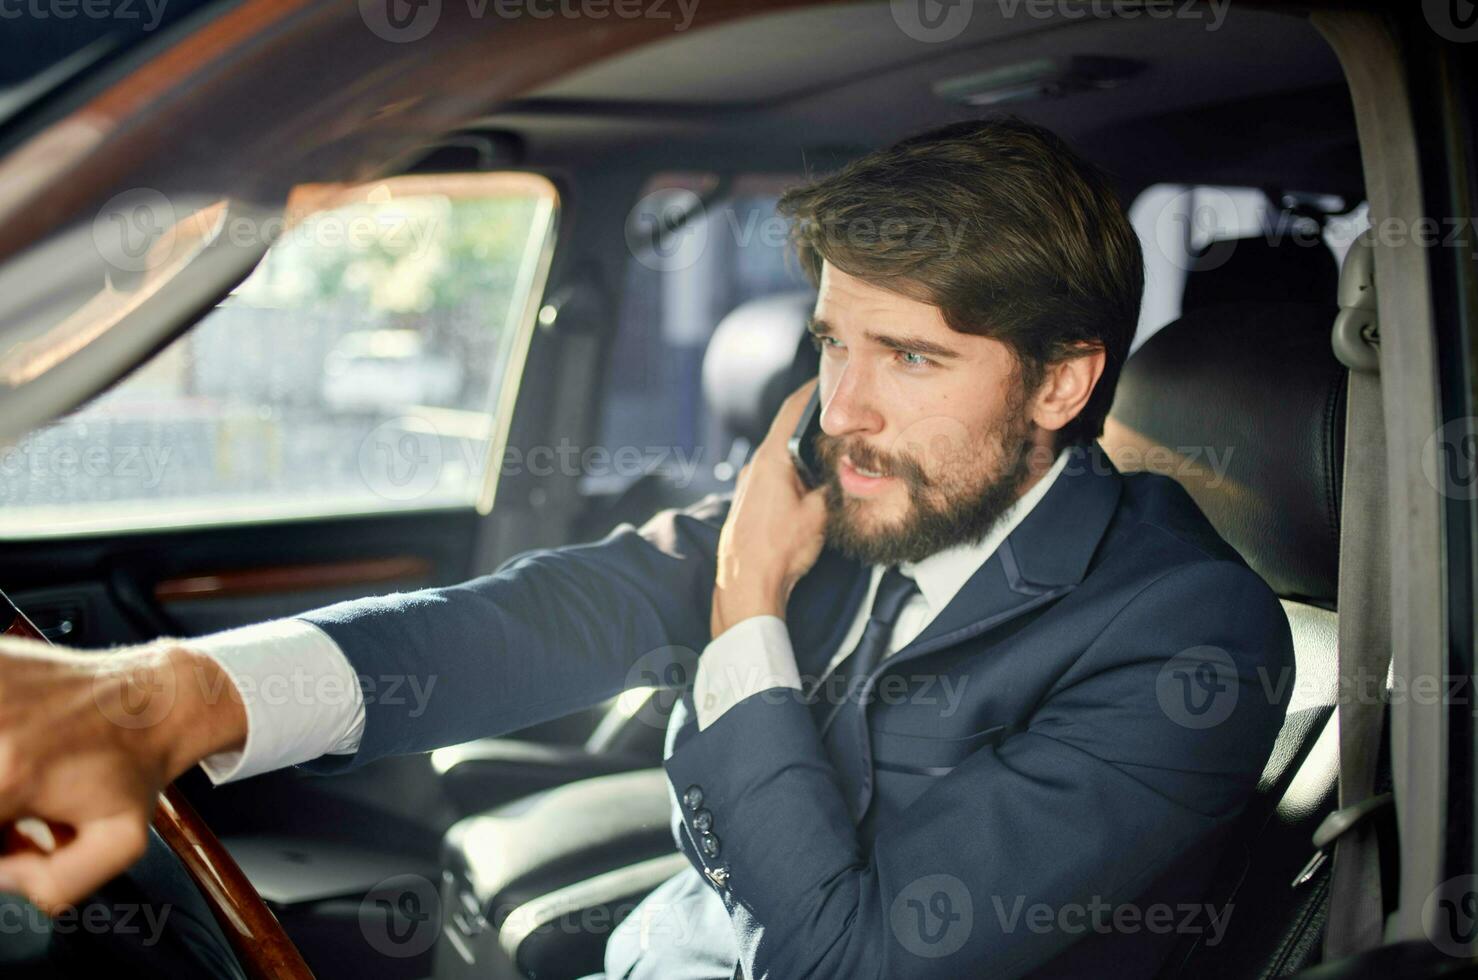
(1244, 405)
(1255, 269)
(758, 354)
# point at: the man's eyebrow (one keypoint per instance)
(912, 345)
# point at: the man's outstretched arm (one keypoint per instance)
(548, 634)
(89, 739)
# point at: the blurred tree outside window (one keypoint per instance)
(367, 364)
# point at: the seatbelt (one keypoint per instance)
(1356, 910)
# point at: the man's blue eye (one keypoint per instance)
(912, 359)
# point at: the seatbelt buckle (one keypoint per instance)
(1335, 826)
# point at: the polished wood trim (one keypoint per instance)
(293, 578)
(262, 947)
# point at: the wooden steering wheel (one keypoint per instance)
(257, 938)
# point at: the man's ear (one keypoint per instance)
(1066, 387)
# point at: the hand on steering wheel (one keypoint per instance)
(87, 744)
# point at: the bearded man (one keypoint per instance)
(954, 709)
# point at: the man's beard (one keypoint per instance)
(969, 509)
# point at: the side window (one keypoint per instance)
(732, 251)
(368, 364)
(1176, 221)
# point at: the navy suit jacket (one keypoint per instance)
(1039, 784)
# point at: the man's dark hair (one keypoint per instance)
(1000, 224)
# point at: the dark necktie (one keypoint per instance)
(894, 591)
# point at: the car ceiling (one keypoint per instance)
(1257, 100)
(1256, 97)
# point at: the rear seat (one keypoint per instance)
(758, 354)
(1257, 269)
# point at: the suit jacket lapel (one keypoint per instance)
(1044, 557)
(821, 608)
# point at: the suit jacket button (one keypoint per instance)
(709, 843)
(703, 821)
(693, 797)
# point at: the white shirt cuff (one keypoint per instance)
(751, 656)
(302, 697)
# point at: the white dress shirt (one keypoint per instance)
(755, 655)
(303, 700)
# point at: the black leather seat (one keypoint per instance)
(1243, 401)
(1244, 404)
(1281, 268)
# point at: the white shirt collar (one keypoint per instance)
(944, 573)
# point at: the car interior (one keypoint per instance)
(652, 306)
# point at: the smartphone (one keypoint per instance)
(803, 452)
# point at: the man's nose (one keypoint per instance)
(849, 410)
